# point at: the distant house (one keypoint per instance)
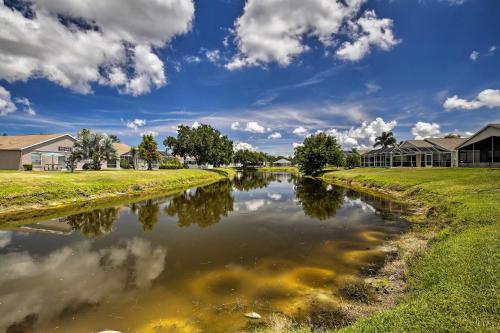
(432, 152)
(43, 152)
(482, 149)
(282, 163)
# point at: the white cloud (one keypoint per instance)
(297, 144)
(274, 196)
(150, 132)
(120, 269)
(235, 126)
(275, 135)
(192, 59)
(492, 48)
(474, 55)
(212, 55)
(276, 31)
(115, 49)
(5, 238)
(368, 31)
(372, 87)
(27, 105)
(423, 130)
(301, 131)
(489, 98)
(251, 126)
(195, 125)
(135, 124)
(367, 132)
(243, 146)
(6, 104)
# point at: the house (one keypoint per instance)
(282, 163)
(437, 152)
(481, 149)
(43, 152)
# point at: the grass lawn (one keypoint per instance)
(454, 287)
(21, 190)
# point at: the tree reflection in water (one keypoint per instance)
(318, 199)
(204, 207)
(148, 211)
(95, 223)
(247, 181)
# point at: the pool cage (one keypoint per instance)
(407, 156)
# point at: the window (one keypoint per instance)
(36, 160)
(112, 164)
(65, 149)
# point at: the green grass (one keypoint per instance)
(21, 191)
(454, 288)
(290, 169)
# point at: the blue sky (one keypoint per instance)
(266, 73)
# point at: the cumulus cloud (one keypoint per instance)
(489, 98)
(251, 126)
(301, 131)
(275, 135)
(150, 132)
(6, 104)
(195, 125)
(135, 124)
(297, 144)
(63, 278)
(76, 44)
(276, 31)
(192, 59)
(474, 55)
(212, 55)
(367, 32)
(27, 105)
(423, 130)
(364, 134)
(243, 146)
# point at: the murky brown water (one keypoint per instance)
(195, 262)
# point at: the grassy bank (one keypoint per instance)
(279, 169)
(41, 191)
(454, 287)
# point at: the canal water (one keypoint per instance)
(193, 262)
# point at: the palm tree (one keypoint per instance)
(95, 147)
(134, 152)
(148, 150)
(385, 140)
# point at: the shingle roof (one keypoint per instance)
(19, 142)
(121, 148)
(420, 143)
(447, 143)
(282, 160)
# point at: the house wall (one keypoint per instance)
(51, 146)
(10, 160)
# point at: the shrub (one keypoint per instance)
(125, 164)
(27, 167)
(172, 163)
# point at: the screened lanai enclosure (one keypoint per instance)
(482, 149)
(408, 155)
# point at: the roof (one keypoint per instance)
(420, 143)
(282, 160)
(121, 148)
(497, 126)
(20, 142)
(447, 143)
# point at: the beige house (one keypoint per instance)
(482, 149)
(43, 152)
(431, 152)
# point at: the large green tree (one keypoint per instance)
(95, 147)
(386, 139)
(203, 143)
(316, 152)
(247, 157)
(148, 150)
